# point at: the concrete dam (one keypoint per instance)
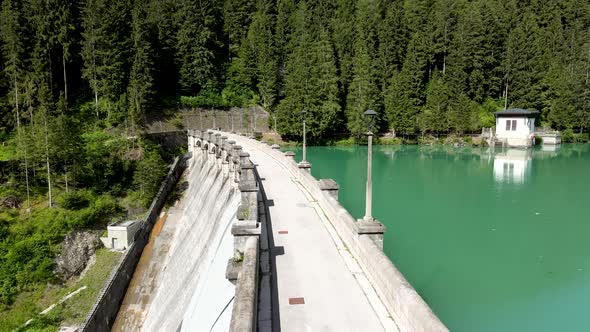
(255, 244)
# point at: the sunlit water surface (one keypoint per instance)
(493, 241)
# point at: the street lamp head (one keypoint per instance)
(303, 113)
(370, 118)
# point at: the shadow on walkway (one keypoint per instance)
(273, 252)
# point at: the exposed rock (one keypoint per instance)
(77, 250)
(11, 202)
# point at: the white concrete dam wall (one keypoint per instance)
(192, 286)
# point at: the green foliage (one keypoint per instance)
(75, 200)
(28, 248)
(486, 113)
(207, 98)
(151, 169)
(105, 170)
(568, 136)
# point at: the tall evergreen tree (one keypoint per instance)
(364, 92)
(311, 82)
(140, 82)
(261, 43)
(236, 20)
(522, 65)
(405, 93)
(198, 44)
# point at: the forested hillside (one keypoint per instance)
(79, 80)
(435, 66)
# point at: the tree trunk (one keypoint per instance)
(18, 131)
(506, 97)
(66, 174)
(47, 163)
(96, 101)
(65, 78)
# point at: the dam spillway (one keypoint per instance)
(181, 276)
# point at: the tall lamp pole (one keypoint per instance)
(369, 118)
(303, 113)
(304, 164)
(275, 145)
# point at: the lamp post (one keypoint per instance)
(275, 145)
(303, 114)
(306, 166)
(369, 119)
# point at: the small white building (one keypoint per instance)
(515, 127)
(120, 236)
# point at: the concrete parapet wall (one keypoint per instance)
(244, 313)
(408, 309)
(104, 312)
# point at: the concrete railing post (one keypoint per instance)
(305, 166)
(230, 151)
(330, 187)
(236, 161)
(222, 142)
(372, 229)
(247, 223)
(290, 155)
(191, 143)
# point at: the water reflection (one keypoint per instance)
(512, 165)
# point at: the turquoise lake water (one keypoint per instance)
(493, 241)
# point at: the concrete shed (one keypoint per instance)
(120, 236)
(515, 127)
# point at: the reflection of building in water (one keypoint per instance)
(550, 147)
(512, 165)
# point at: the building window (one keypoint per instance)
(510, 125)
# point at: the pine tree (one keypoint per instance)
(236, 20)
(435, 113)
(364, 92)
(105, 50)
(311, 82)
(297, 89)
(393, 38)
(343, 36)
(140, 82)
(198, 45)
(260, 42)
(522, 68)
(13, 49)
(325, 110)
(405, 95)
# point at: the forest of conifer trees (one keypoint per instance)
(80, 79)
(426, 66)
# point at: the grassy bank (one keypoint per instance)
(451, 140)
(72, 311)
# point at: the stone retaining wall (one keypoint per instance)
(104, 312)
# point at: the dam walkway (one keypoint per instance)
(320, 285)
